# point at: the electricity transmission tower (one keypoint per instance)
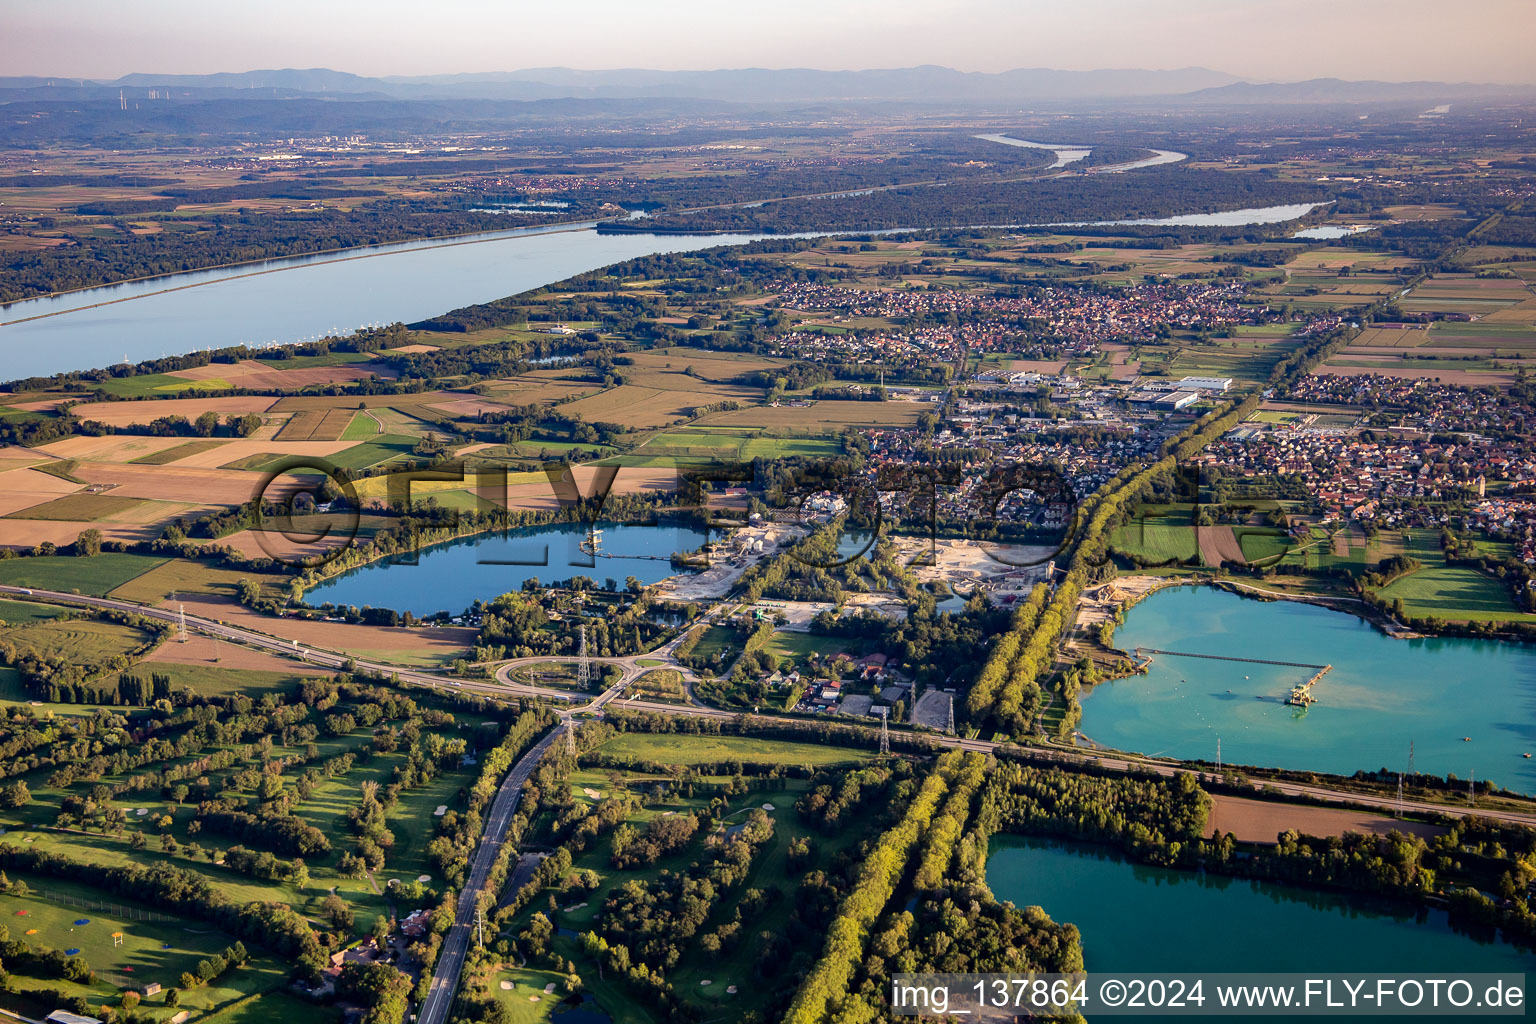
(181, 623)
(570, 737)
(584, 668)
(885, 730)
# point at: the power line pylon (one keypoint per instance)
(584, 667)
(570, 737)
(885, 730)
(181, 623)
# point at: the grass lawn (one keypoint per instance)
(208, 681)
(93, 576)
(800, 646)
(186, 576)
(717, 639)
(684, 749)
(151, 951)
(1454, 592)
(275, 1007)
(526, 997)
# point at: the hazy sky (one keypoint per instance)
(1396, 40)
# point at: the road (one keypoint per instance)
(450, 960)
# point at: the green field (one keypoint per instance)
(371, 453)
(94, 576)
(1158, 534)
(81, 641)
(1259, 543)
(14, 613)
(800, 646)
(684, 749)
(274, 1007)
(1454, 592)
(78, 508)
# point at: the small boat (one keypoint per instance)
(1466, 739)
(1525, 755)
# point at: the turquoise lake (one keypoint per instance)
(1138, 918)
(452, 576)
(1381, 695)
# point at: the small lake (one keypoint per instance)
(1381, 695)
(452, 576)
(1138, 918)
(1327, 231)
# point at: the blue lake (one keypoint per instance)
(1467, 706)
(452, 576)
(1138, 918)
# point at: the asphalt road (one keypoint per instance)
(450, 960)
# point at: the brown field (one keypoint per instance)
(174, 483)
(1262, 821)
(411, 350)
(636, 406)
(524, 390)
(449, 642)
(537, 493)
(26, 533)
(235, 451)
(211, 652)
(316, 425)
(299, 403)
(1388, 337)
(818, 417)
(1473, 377)
(1521, 313)
(248, 373)
(1218, 545)
(1046, 365)
(24, 488)
(111, 448)
(123, 414)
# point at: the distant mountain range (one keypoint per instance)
(759, 86)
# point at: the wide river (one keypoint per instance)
(284, 301)
(306, 297)
(1468, 707)
(1138, 918)
(451, 576)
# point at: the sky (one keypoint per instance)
(1261, 40)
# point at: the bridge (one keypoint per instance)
(1301, 694)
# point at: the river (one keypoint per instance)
(1381, 695)
(335, 294)
(1069, 154)
(1139, 918)
(303, 298)
(451, 576)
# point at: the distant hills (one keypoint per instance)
(759, 86)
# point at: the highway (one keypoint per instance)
(505, 686)
(450, 960)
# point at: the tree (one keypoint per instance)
(206, 424)
(381, 930)
(338, 912)
(88, 544)
(130, 1000)
(14, 795)
(172, 997)
(249, 591)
